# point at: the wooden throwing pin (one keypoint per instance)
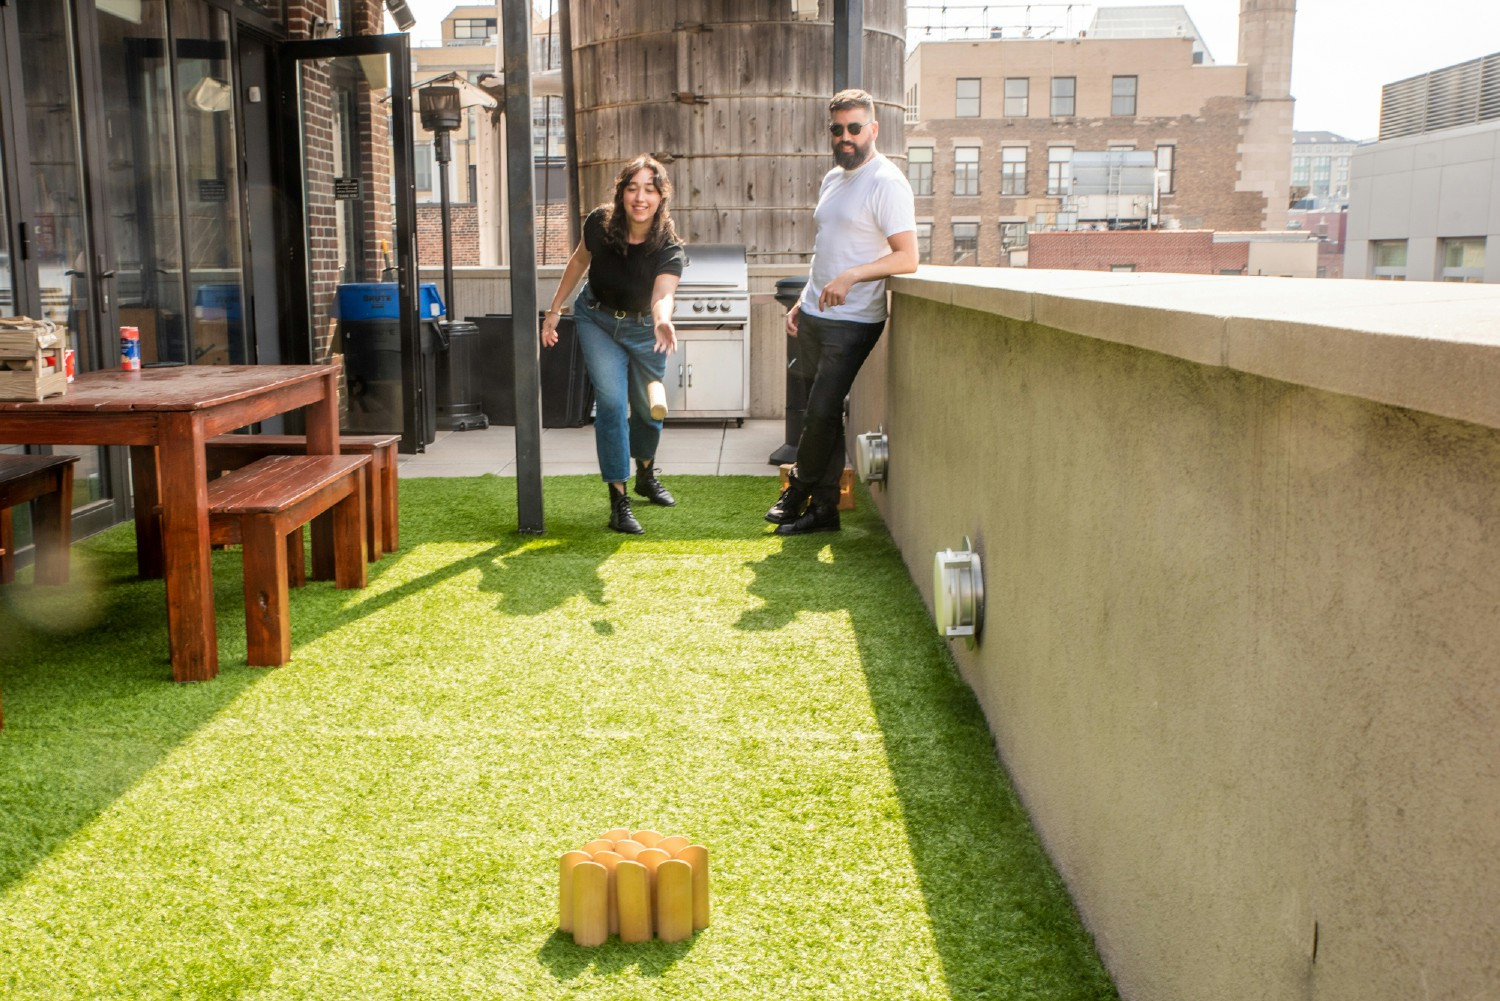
(590, 904)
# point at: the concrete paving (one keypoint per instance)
(688, 449)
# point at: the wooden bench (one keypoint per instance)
(47, 480)
(259, 506)
(233, 451)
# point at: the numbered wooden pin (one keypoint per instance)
(647, 837)
(610, 860)
(657, 394)
(674, 901)
(674, 844)
(697, 857)
(629, 849)
(599, 845)
(590, 904)
(565, 888)
(633, 896)
(615, 834)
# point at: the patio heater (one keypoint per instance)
(441, 108)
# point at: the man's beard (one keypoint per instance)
(849, 159)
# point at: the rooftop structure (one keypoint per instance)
(1164, 21)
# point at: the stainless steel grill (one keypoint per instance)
(709, 376)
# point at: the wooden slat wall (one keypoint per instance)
(748, 157)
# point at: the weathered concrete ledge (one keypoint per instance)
(1241, 540)
(1430, 346)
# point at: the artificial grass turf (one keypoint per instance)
(382, 817)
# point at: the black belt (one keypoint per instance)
(618, 314)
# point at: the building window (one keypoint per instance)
(1390, 259)
(966, 170)
(919, 169)
(475, 28)
(966, 104)
(924, 243)
(1122, 267)
(1166, 169)
(1122, 101)
(1064, 89)
(1012, 235)
(1013, 170)
(422, 162)
(966, 243)
(1463, 260)
(1060, 170)
(1017, 90)
(911, 105)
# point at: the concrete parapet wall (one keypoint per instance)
(1241, 541)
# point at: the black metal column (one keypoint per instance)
(570, 130)
(521, 188)
(848, 44)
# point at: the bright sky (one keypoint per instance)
(1342, 53)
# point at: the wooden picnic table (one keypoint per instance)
(167, 414)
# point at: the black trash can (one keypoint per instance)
(458, 404)
(567, 394)
(788, 291)
(369, 315)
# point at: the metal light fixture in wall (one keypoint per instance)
(958, 593)
(872, 452)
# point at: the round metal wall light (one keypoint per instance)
(872, 453)
(958, 593)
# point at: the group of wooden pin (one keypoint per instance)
(638, 885)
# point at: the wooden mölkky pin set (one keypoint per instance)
(638, 885)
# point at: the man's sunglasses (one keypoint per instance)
(855, 128)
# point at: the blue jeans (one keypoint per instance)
(829, 355)
(621, 362)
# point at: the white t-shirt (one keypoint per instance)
(858, 211)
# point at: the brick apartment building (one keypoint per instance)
(995, 126)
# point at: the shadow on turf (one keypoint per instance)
(567, 961)
(999, 913)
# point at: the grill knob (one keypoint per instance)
(698, 307)
(713, 307)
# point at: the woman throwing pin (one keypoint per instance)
(623, 315)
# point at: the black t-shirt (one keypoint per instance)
(624, 281)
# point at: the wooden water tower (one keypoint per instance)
(733, 96)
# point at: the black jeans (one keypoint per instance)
(829, 354)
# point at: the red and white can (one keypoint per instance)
(130, 348)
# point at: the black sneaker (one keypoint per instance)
(788, 506)
(621, 518)
(649, 487)
(817, 518)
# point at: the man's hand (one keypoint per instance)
(549, 329)
(836, 291)
(666, 338)
(791, 319)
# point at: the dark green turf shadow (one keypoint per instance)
(1001, 918)
(567, 961)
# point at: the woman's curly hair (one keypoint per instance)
(617, 220)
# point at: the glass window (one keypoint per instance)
(1060, 170)
(1166, 168)
(1012, 235)
(7, 269)
(966, 103)
(1013, 170)
(475, 27)
(422, 176)
(1122, 267)
(1017, 90)
(1390, 259)
(1122, 100)
(966, 170)
(919, 169)
(1463, 260)
(1064, 89)
(966, 243)
(924, 243)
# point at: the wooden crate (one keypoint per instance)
(846, 485)
(31, 360)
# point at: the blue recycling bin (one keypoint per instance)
(369, 315)
(218, 324)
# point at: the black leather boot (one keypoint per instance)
(817, 518)
(788, 506)
(621, 518)
(649, 487)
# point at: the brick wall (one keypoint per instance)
(551, 234)
(1191, 252)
